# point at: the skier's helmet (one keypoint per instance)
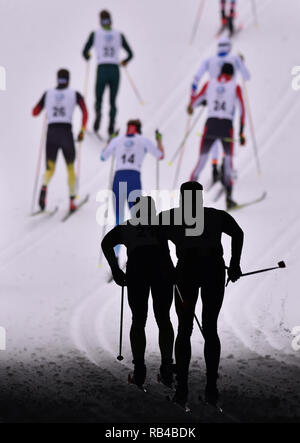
(63, 77)
(136, 123)
(105, 18)
(224, 46)
(227, 69)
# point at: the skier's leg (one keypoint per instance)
(68, 149)
(223, 13)
(228, 165)
(204, 151)
(100, 87)
(134, 187)
(162, 294)
(185, 313)
(114, 81)
(212, 294)
(138, 294)
(52, 146)
(214, 161)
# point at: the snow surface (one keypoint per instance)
(61, 317)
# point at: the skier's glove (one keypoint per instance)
(124, 63)
(190, 110)
(119, 276)
(234, 271)
(158, 135)
(242, 140)
(241, 57)
(203, 103)
(80, 135)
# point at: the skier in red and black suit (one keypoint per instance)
(228, 19)
(221, 96)
(60, 103)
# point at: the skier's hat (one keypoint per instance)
(136, 123)
(224, 45)
(63, 77)
(105, 18)
(190, 186)
(227, 69)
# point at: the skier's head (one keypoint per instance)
(191, 202)
(134, 126)
(224, 46)
(144, 210)
(227, 69)
(63, 77)
(105, 19)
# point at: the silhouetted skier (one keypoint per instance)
(200, 265)
(149, 266)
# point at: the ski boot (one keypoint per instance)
(215, 173)
(211, 394)
(230, 204)
(181, 395)
(166, 376)
(73, 206)
(139, 375)
(42, 199)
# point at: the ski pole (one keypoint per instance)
(197, 21)
(39, 162)
(195, 316)
(280, 265)
(106, 209)
(120, 356)
(79, 146)
(254, 142)
(188, 131)
(157, 174)
(133, 85)
(254, 10)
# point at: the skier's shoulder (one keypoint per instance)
(214, 213)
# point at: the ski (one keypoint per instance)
(80, 204)
(132, 382)
(45, 212)
(97, 135)
(249, 203)
(217, 408)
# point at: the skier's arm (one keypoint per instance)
(81, 103)
(108, 151)
(240, 99)
(242, 68)
(111, 239)
(231, 228)
(88, 45)
(39, 107)
(201, 71)
(158, 150)
(127, 48)
(198, 99)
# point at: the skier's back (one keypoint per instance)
(149, 266)
(60, 103)
(107, 43)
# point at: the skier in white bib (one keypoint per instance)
(60, 103)
(107, 43)
(129, 151)
(221, 96)
(213, 65)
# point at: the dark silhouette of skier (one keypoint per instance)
(149, 266)
(200, 265)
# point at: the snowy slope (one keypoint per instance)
(54, 300)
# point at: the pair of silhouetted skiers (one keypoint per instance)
(200, 265)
